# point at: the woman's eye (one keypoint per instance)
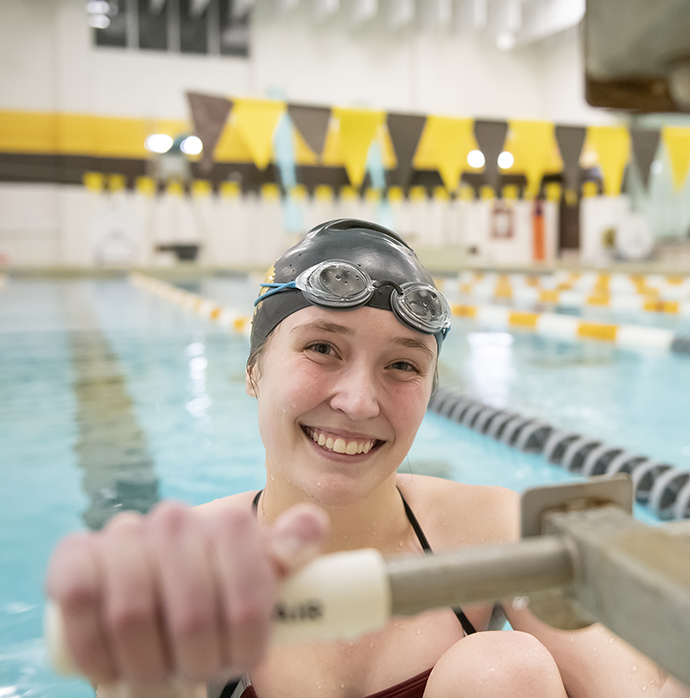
(320, 348)
(404, 366)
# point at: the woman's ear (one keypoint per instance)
(250, 383)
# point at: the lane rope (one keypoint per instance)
(663, 488)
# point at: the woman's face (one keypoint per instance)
(341, 395)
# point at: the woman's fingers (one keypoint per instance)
(189, 592)
(177, 593)
(132, 606)
(298, 536)
(247, 587)
(74, 581)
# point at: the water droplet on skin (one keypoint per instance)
(371, 645)
(342, 685)
(635, 667)
(611, 641)
(594, 649)
(419, 632)
(644, 688)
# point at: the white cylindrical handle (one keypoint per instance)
(338, 596)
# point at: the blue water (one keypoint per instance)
(184, 378)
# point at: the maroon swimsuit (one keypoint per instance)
(411, 688)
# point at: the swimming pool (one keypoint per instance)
(111, 397)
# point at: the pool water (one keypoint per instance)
(112, 398)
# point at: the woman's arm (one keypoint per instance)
(594, 662)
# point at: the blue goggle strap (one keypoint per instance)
(276, 288)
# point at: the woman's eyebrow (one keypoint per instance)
(413, 343)
(323, 327)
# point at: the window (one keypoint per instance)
(215, 27)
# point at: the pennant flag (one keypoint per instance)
(405, 131)
(209, 115)
(312, 124)
(570, 141)
(645, 143)
(444, 146)
(612, 145)
(358, 127)
(256, 121)
(491, 136)
(533, 142)
(677, 142)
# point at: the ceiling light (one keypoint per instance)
(475, 158)
(159, 143)
(99, 21)
(505, 41)
(98, 7)
(505, 160)
(191, 145)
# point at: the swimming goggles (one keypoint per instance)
(341, 284)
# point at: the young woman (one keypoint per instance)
(345, 342)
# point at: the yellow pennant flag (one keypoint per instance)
(612, 145)
(444, 145)
(677, 142)
(256, 120)
(533, 149)
(357, 130)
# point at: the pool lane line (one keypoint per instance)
(568, 328)
(112, 448)
(591, 282)
(660, 486)
(576, 299)
(191, 301)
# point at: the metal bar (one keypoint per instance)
(198, 7)
(174, 43)
(634, 579)
(156, 6)
(132, 18)
(213, 28)
(478, 574)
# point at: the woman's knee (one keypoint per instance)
(507, 664)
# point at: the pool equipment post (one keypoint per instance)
(582, 558)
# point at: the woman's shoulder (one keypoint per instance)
(457, 514)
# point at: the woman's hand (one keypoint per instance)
(179, 593)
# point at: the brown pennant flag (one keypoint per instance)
(209, 115)
(570, 140)
(312, 123)
(405, 131)
(645, 142)
(491, 136)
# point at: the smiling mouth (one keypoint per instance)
(338, 444)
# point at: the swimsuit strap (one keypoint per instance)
(464, 620)
(459, 613)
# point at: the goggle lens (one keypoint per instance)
(422, 307)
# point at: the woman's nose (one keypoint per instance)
(356, 395)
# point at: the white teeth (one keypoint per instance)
(339, 444)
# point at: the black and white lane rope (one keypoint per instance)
(660, 486)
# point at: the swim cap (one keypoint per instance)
(379, 252)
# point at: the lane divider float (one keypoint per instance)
(660, 486)
(569, 328)
(191, 301)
